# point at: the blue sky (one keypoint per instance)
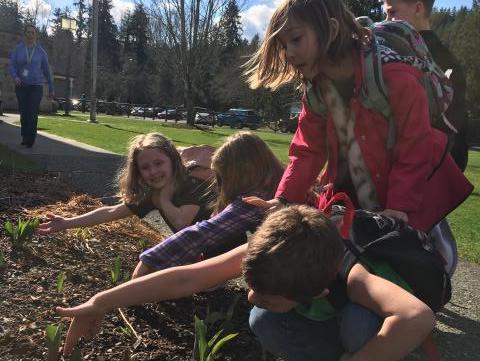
(255, 13)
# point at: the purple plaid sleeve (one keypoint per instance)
(221, 232)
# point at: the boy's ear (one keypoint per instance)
(420, 9)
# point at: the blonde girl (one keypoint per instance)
(244, 166)
(153, 177)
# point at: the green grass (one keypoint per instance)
(114, 133)
(12, 161)
(465, 220)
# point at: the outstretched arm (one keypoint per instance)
(167, 284)
(407, 320)
(100, 215)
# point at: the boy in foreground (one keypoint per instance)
(290, 263)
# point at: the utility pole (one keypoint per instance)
(69, 25)
(93, 90)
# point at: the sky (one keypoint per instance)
(255, 14)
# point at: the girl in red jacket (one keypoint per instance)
(320, 44)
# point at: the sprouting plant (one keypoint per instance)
(61, 282)
(21, 234)
(207, 350)
(76, 355)
(116, 271)
(142, 245)
(3, 263)
(53, 335)
(126, 331)
(83, 234)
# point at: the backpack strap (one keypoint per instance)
(314, 100)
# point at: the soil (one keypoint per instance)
(28, 291)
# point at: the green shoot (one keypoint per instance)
(76, 355)
(21, 234)
(3, 263)
(61, 282)
(116, 271)
(142, 245)
(208, 350)
(53, 335)
(126, 331)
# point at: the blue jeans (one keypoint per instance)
(297, 338)
(29, 97)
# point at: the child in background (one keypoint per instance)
(320, 43)
(294, 257)
(153, 177)
(244, 166)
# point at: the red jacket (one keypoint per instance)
(413, 177)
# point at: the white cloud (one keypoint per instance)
(255, 19)
(41, 9)
(120, 7)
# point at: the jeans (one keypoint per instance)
(297, 338)
(29, 97)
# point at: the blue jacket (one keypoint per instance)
(33, 73)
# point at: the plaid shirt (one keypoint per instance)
(207, 238)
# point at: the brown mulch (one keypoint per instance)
(28, 292)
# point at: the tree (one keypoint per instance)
(10, 16)
(135, 28)
(189, 29)
(108, 44)
(370, 8)
(230, 29)
(82, 21)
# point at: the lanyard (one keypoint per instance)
(30, 54)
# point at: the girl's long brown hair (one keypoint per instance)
(269, 68)
(132, 189)
(245, 164)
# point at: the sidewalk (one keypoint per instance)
(89, 169)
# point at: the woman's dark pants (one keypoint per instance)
(29, 97)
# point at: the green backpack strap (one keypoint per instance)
(374, 93)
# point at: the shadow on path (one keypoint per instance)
(89, 169)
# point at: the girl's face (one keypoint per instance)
(155, 168)
(301, 47)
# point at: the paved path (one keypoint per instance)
(92, 170)
(89, 169)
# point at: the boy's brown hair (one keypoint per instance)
(269, 68)
(295, 253)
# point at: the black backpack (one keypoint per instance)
(410, 253)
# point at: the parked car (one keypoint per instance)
(290, 124)
(239, 118)
(169, 114)
(142, 112)
(204, 116)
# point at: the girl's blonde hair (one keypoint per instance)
(269, 67)
(245, 164)
(132, 189)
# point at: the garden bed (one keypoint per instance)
(28, 284)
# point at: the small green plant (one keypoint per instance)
(76, 355)
(207, 350)
(53, 335)
(142, 245)
(61, 282)
(126, 331)
(3, 263)
(116, 271)
(21, 234)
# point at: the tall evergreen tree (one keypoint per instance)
(108, 44)
(230, 27)
(10, 16)
(82, 21)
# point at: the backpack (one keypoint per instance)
(396, 41)
(410, 253)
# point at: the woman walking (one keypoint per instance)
(28, 68)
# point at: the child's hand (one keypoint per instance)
(395, 214)
(270, 206)
(55, 223)
(86, 322)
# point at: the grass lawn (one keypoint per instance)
(12, 161)
(114, 133)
